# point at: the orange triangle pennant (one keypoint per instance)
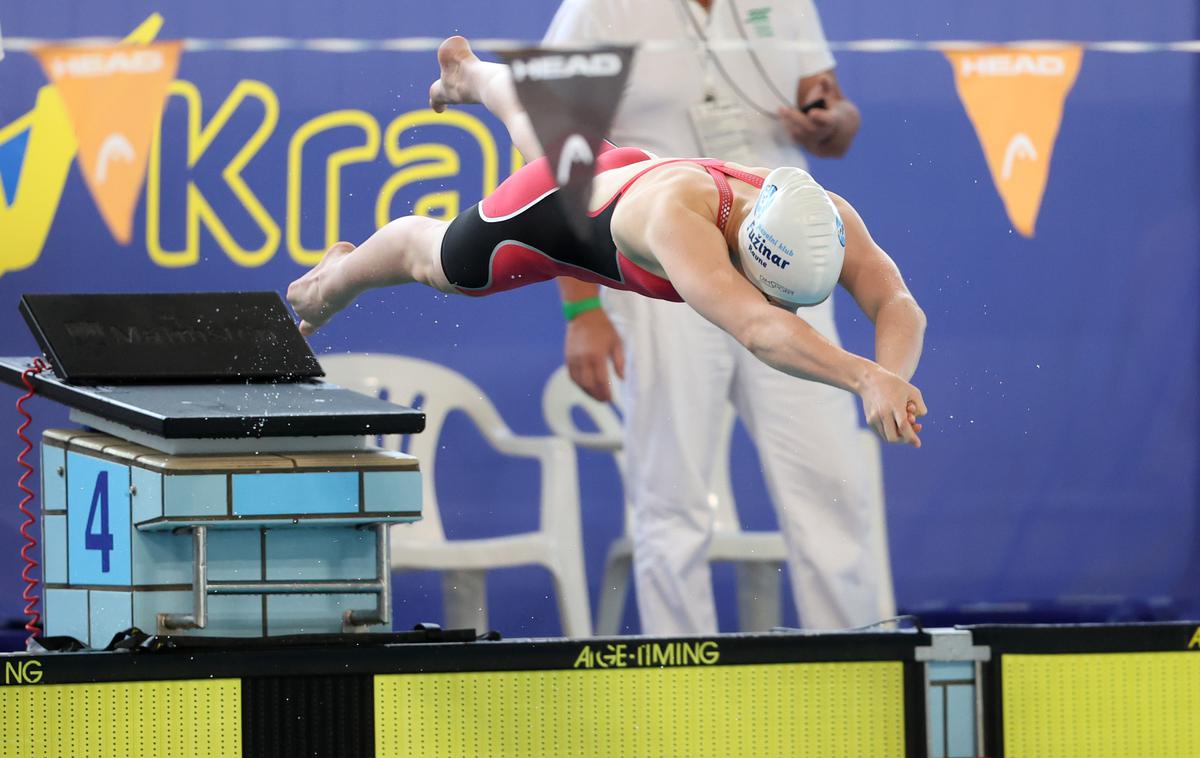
(114, 97)
(1014, 98)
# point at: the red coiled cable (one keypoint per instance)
(29, 595)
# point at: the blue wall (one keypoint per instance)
(1061, 454)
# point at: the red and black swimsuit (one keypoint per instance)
(519, 234)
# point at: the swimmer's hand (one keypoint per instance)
(892, 406)
(591, 343)
(315, 296)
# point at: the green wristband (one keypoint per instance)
(571, 310)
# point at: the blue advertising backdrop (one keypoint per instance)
(1061, 453)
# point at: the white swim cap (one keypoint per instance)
(793, 243)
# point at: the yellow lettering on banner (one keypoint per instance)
(367, 151)
(23, 672)
(662, 655)
(198, 208)
(25, 218)
(433, 161)
(1015, 99)
(649, 654)
(1195, 641)
(584, 659)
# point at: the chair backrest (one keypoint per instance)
(562, 398)
(434, 389)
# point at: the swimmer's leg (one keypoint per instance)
(466, 79)
(405, 250)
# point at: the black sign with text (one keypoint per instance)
(175, 337)
(571, 96)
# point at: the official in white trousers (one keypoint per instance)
(679, 370)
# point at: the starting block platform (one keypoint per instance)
(218, 486)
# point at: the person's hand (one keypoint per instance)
(825, 132)
(591, 343)
(805, 129)
(892, 407)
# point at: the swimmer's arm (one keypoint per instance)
(695, 257)
(871, 276)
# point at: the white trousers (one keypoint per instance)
(680, 373)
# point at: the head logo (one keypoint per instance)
(98, 64)
(841, 228)
(1005, 64)
(575, 150)
(566, 66)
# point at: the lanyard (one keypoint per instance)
(709, 56)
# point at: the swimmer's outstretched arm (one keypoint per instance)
(695, 256)
(871, 276)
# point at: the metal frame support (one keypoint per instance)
(380, 586)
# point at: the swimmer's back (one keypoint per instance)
(519, 234)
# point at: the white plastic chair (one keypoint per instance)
(557, 544)
(758, 556)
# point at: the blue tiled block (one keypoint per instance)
(66, 613)
(314, 614)
(282, 494)
(951, 709)
(392, 490)
(110, 613)
(234, 555)
(54, 484)
(960, 721)
(161, 557)
(228, 615)
(54, 549)
(147, 604)
(320, 553)
(196, 495)
(944, 671)
(235, 616)
(97, 496)
(147, 494)
(935, 707)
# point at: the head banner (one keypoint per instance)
(114, 98)
(1014, 99)
(571, 96)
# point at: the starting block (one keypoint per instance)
(218, 487)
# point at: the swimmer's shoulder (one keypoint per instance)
(756, 170)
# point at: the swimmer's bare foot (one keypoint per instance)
(455, 84)
(314, 296)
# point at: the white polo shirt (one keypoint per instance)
(664, 85)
